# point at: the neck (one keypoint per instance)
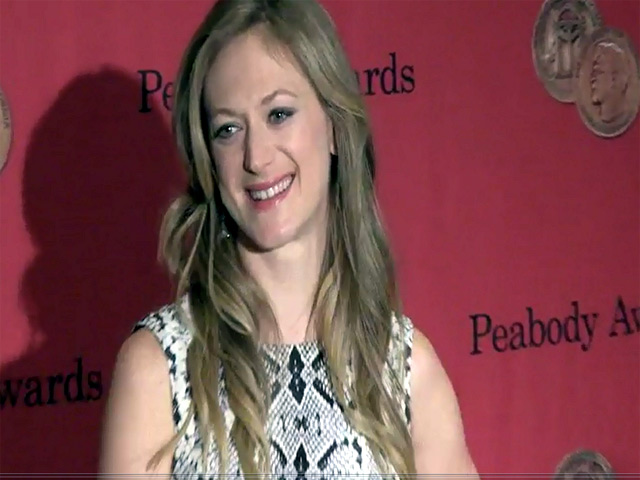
(289, 277)
(609, 112)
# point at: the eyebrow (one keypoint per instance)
(268, 98)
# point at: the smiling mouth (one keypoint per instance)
(268, 193)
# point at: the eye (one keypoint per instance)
(225, 131)
(279, 115)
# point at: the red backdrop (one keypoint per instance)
(502, 207)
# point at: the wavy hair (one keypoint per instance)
(356, 294)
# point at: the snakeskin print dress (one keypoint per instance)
(309, 434)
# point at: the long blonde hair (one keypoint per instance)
(356, 296)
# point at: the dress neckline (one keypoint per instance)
(285, 347)
(269, 347)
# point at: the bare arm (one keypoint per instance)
(138, 419)
(437, 431)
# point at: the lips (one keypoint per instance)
(267, 190)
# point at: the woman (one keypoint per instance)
(285, 351)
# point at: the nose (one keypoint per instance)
(258, 153)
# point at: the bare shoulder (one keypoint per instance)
(141, 361)
(138, 419)
(436, 422)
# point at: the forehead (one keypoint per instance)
(603, 59)
(250, 67)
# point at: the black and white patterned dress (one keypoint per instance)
(310, 436)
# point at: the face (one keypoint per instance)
(601, 79)
(271, 142)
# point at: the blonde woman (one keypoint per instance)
(285, 351)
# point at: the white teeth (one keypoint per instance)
(272, 191)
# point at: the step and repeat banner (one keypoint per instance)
(509, 178)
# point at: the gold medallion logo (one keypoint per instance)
(5, 130)
(584, 464)
(608, 82)
(559, 34)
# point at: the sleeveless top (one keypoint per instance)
(308, 431)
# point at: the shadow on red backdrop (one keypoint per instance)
(98, 176)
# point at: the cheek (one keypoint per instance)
(313, 160)
(224, 165)
(314, 149)
(227, 178)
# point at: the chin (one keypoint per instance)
(267, 241)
